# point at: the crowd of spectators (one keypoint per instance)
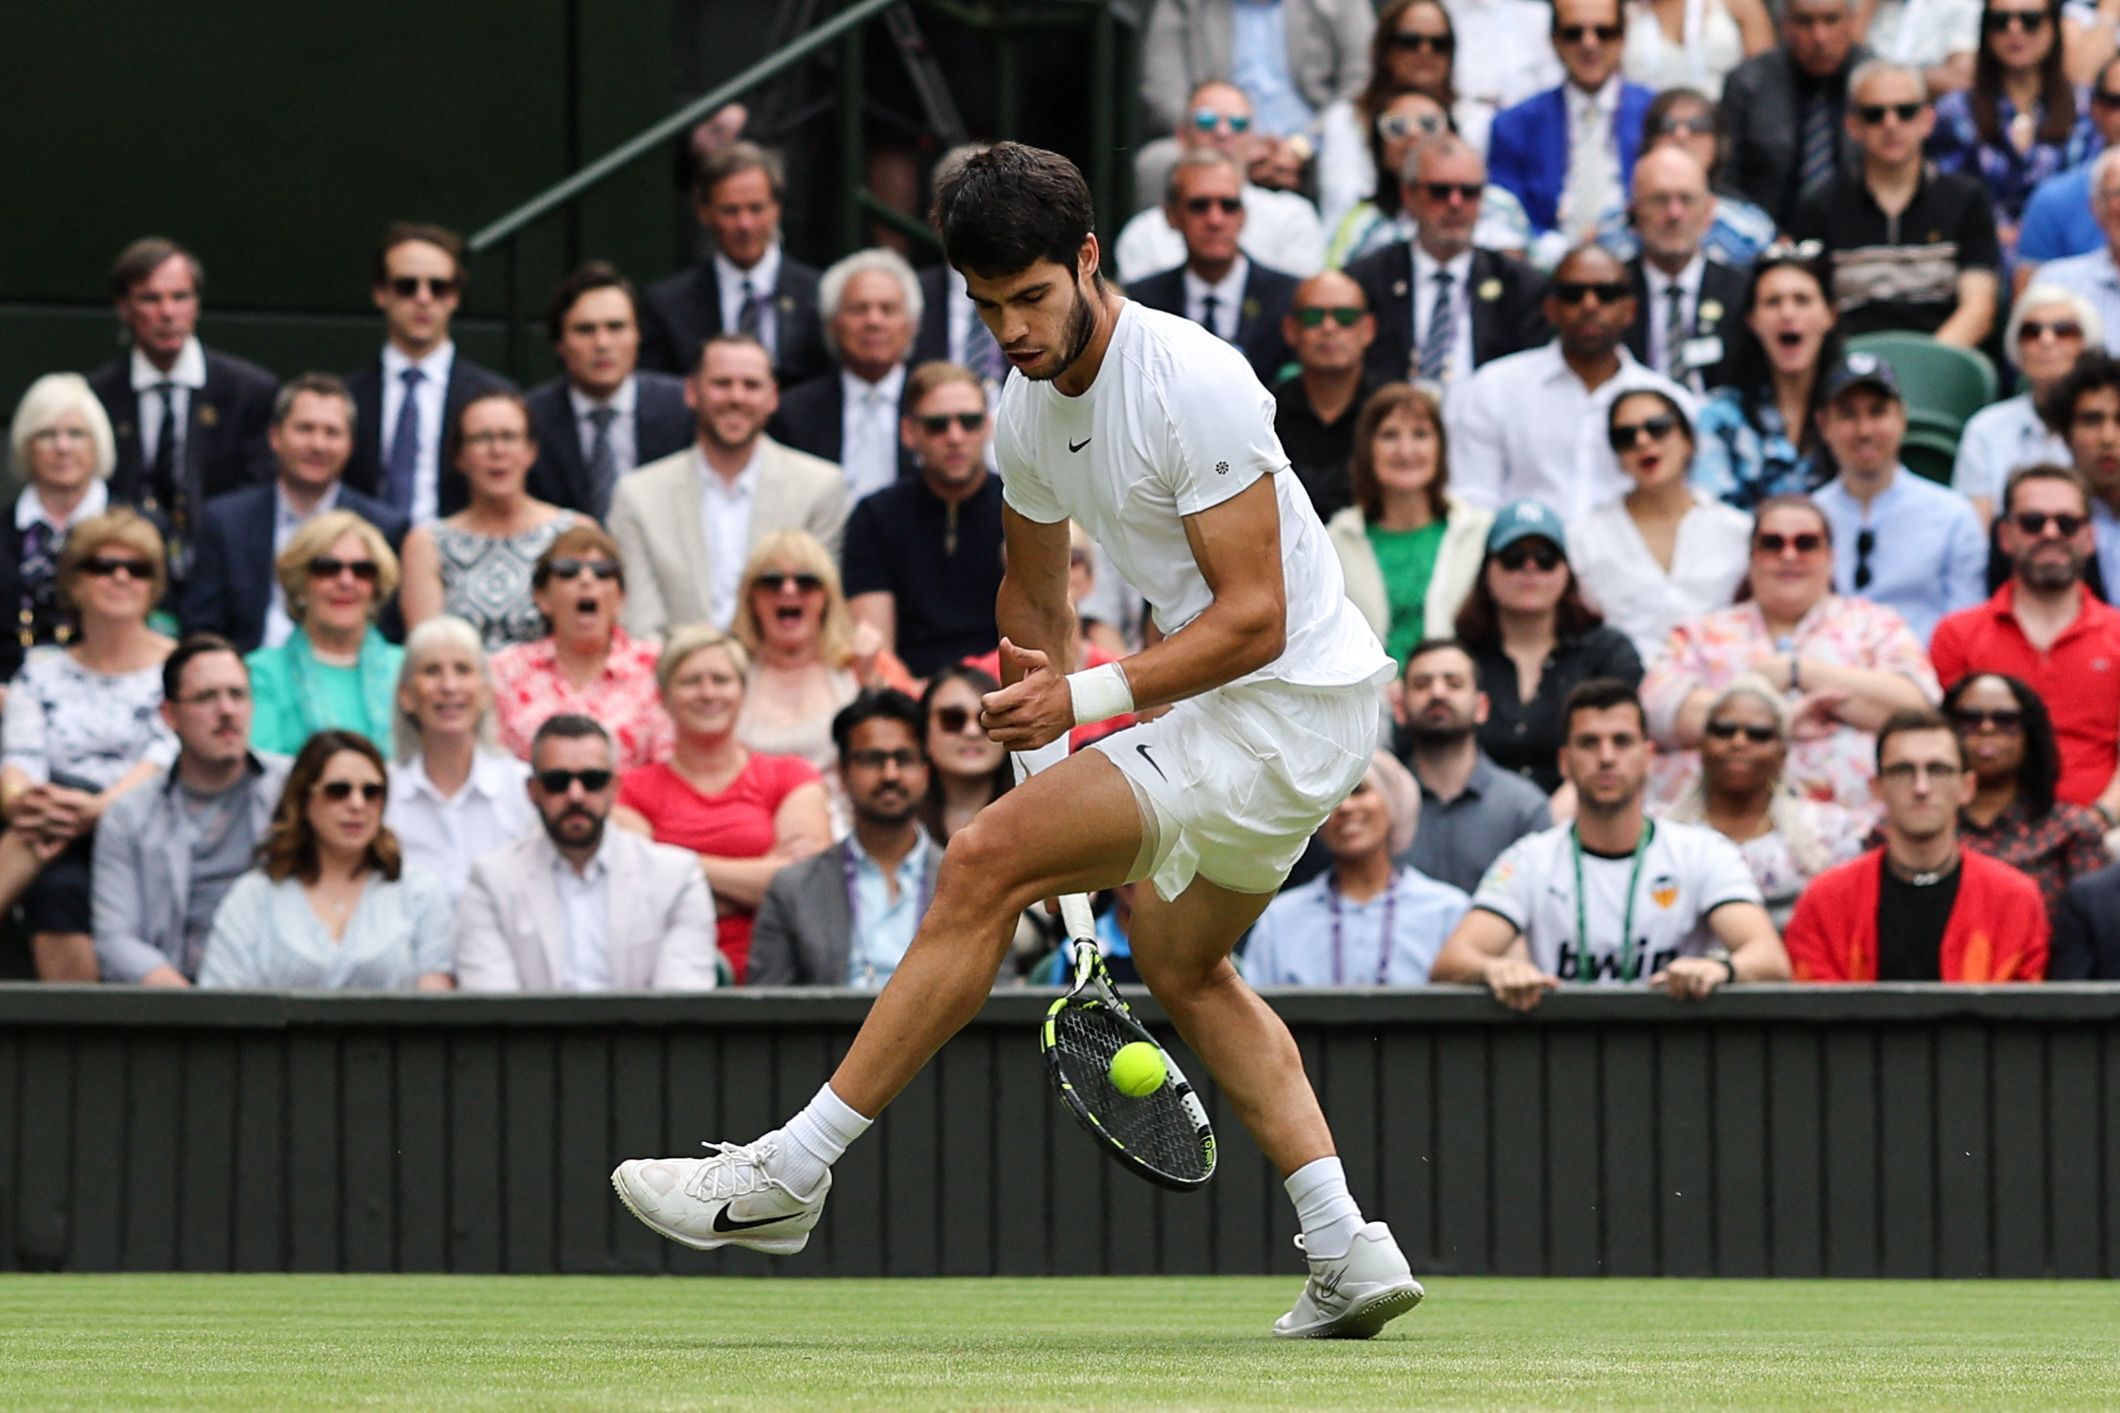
(667, 672)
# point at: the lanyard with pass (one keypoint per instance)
(1627, 960)
(1391, 904)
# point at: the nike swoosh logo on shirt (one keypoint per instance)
(1077, 446)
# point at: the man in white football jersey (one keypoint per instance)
(1156, 436)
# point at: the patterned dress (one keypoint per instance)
(528, 687)
(486, 580)
(1956, 145)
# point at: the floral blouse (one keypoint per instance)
(2009, 175)
(2068, 843)
(529, 688)
(1742, 460)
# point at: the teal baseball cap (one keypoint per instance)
(1521, 519)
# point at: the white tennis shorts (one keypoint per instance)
(1242, 776)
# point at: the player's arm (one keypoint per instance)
(1486, 949)
(1032, 609)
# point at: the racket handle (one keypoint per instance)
(1081, 923)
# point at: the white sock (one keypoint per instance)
(1325, 1208)
(816, 1138)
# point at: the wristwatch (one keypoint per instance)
(1722, 954)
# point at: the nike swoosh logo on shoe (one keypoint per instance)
(723, 1224)
(1324, 1289)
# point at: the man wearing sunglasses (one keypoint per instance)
(409, 397)
(1784, 107)
(1219, 287)
(1329, 328)
(577, 905)
(1912, 249)
(1568, 153)
(2062, 217)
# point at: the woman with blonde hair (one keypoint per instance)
(61, 451)
(335, 671)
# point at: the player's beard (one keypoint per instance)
(1081, 327)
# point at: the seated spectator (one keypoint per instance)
(1911, 249)
(1938, 40)
(2007, 739)
(332, 904)
(967, 771)
(1473, 807)
(454, 795)
(476, 564)
(59, 447)
(1920, 908)
(2086, 940)
(2046, 629)
(167, 853)
(585, 665)
(336, 671)
(2084, 410)
(1742, 792)
(1759, 432)
(234, 589)
(576, 905)
(1932, 558)
(686, 522)
(2048, 330)
(1534, 641)
(1785, 107)
(604, 415)
(1665, 551)
(2096, 274)
(1493, 218)
(1682, 292)
(2061, 218)
(1369, 920)
(412, 396)
(746, 815)
(1668, 45)
(1570, 905)
(1568, 153)
(1687, 120)
(846, 916)
(871, 302)
(1843, 665)
(1329, 328)
(82, 726)
(1408, 548)
(1561, 456)
(1216, 285)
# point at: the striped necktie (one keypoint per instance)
(1441, 333)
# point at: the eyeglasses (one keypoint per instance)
(1997, 21)
(2007, 721)
(1576, 291)
(1803, 542)
(101, 566)
(2034, 522)
(1201, 205)
(877, 760)
(326, 567)
(1547, 557)
(1731, 730)
(1702, 126)
(569, 567)
(1397, 127)
(1872, 114)
(556, 782)
(340, 791)
(1207, 120)
(804, 583)
(936, 423)
(496, 438)
(1576, 34)
(2032, 329)
(1442, 191)
(409, 286)
(1415, 43)
(956, 720)
(1314, 316)
(1625, 436)
(1864, 543)
(1906, 772)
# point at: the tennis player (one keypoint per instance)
(1155, 435)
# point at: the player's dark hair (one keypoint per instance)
(190, 647)
(1011, 206)
(1908, 720)
(2040, 771)
(879, 704)
(1601, 694)
(1004, 776)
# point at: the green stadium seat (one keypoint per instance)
(1943, 385)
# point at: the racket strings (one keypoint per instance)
(1155, 1128)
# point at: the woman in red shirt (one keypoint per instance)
(746, 815)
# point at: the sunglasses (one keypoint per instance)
(1397, 127)
(1864, 543)
(1627, 435)
(1803, 542)
(1314, 317)
(1576, 34)
(2033, 329)
(555, 782)
(326, 567)
(1546, 556)
(569, 567)
(1443, 191)
(1997, 21)
(102, 566)
(877, 760)
(2108, 98)
(1872, 114)
(1731, 730)
(409, 286)
(340, 791)
(1790, 252)
(2033, 522)
(804, 583)
(955, 720)
(936, 423)
(1206, 120)
(2007, 720)
(1576, 291)
(1416, 43)
(1201, 205)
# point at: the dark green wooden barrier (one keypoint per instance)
(1771, 1132)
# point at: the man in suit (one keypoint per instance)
(872, 303)
(1568, 153)
(1443, 308)
(686, 523)
(578, 906)
(189, 422)
(1683, 296)
(1219, 287)
(1785, 108)
(410, 396)
(748, 285)
(845, 917)
(604, 415)
(233, 590)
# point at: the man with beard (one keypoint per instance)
(577, 906)
(846, 916)
(1615, 898)
(1472, 809)
(2044, 628)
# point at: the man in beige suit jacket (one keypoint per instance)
(685, 524)
(578, 906)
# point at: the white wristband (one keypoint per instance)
(1100, 693)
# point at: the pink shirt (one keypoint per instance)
(529, 689)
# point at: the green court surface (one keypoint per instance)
(592, 1342)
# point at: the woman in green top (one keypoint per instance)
(336, 671)
(1408, 548)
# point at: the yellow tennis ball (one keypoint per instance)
(1137, 1070)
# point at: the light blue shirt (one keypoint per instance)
(2105, 526)
(1259, 66)
(1292, 943)
(1927, 558)
(2094, 277)
(884, 926)
(266, 937)
(585, 899)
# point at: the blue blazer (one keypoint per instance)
(662, 424)
(230, 587)
(1527, 149)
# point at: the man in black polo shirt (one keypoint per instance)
(923, 557)
(1329, 327)
(1912, 248)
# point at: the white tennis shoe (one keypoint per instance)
(729, 1199)
(1356, 1295)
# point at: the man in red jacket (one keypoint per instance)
(1921, 908)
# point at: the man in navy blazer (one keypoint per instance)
(233, 590)
(604, 415)
(1532, 146)
(872, 305)
(1219, 286)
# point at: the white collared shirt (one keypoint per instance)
(30, 509)
(188, 373)
(446, 833)
(883, 925)
(433, 394)
(1637, 595)
(285, 521)
(1458, 366)
(1229, 299)
(585, 905)
(725, 519)
(730, 278)
(1658, 310)
(868, 431)
(625, 453)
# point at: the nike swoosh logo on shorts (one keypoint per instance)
(1151, 761)
(723, 1224)
(1077, 446)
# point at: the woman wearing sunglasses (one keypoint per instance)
(1842, 665)
(332, 904)
(83, 725)
(1742, 792)
(1689, 120)
(1759, 433)
(2049, 327)
(1381, 217)
(1664, 551)
(336, 671)
(2011, 751)
(455, 794)
(477, 564)
(1412, 50)
(966, 771)
(585, 663)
